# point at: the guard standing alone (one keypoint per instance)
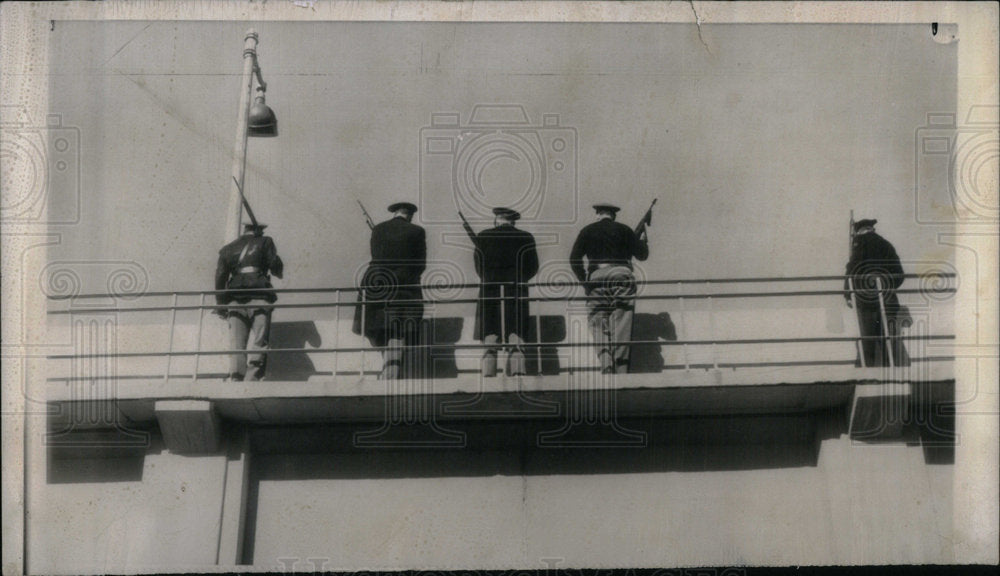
(609, 247)
(393, 297)
(876, 273)
(505, 256)
(243, 277)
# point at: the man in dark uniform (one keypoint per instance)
(505, 256)
(392, 285)
(875, 273)
(609, 247)
(245, 266)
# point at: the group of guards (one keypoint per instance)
(390, 300)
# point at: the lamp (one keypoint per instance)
(262, 122)
(255, 119)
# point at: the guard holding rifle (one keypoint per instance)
(609, 247)
(244, 267)
(875, 273)
(391, 288)
(506, 259)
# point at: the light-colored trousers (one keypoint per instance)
(392, 359)
(610, 309)
(249, 329)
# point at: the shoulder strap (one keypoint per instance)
(243, 254)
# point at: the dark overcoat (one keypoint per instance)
(391, 284)
(506, 255)
(873, 257)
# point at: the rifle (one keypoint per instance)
(246, 204)
(469, 230)
(647, 220)
(849, 282)
(368, 219)
(850, 245)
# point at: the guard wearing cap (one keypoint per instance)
(505, 257)
(609, 247)
(243, 276)
(875, 272)
(391, 287)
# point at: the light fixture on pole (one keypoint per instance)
(262, 122)
(256, 120)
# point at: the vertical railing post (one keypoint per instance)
(683, 336)
(711, 323)
(170, 341)
(197, 342)
(854, 306)
(364, 312)
(538, 335)
(336, 336)
(885, 324)
(569, 331)
(503, 329)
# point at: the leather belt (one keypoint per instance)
(248, 270)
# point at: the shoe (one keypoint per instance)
(234, 377)
(608, 370)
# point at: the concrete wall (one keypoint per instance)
(767, 490)
(129, 512)
(768, 504)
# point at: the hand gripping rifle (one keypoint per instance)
(478, 258)
(647, 220)
(368, 219)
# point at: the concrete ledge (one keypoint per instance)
(680, 393)
(188, 426)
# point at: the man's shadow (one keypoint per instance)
(438, 360)
(292, 365)
(646, 358)
(544, 360)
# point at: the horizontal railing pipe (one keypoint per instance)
(319, 290)
(693, 296)
(745, 341)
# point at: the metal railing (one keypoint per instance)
(933, 286)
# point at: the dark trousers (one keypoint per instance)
(874, 348)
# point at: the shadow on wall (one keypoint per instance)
(95, 456)
(513, 448)
(647, 358)
(545, 360)
(442, 334)
(292, 366)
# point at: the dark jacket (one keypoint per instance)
(504, 254)
(245, 264)
(605, 242)
(873, 257)
(399, 257)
